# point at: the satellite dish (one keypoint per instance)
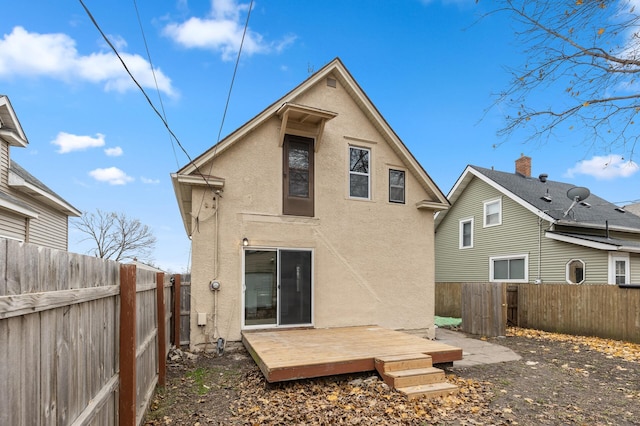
(576, 195)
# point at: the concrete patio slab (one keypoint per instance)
(475, 351)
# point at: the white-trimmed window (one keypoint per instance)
(619, 269)
(396, 186)
(493, 212)
(466, 233)
(359, 172)
(513, 269)
(575, 273)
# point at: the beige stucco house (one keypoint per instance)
(29, 210)
(313, 213)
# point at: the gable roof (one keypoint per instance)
(596, 213)
(337, 70)
(10, 128)
(24, 181)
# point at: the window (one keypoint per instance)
(297, 176)
(493, 212)
(396, 186)
(575, 271)
(466, 233)
(619, 269)
(509, 269)
(359, 174)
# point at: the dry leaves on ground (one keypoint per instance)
(349, 400)
(560, 379)
(612, 348)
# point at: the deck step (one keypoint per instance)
(385, 364)
(431, 390)
(413, 377)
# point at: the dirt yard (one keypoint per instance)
(560, 380)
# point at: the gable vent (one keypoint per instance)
(331, 82)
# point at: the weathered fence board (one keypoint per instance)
(60, 318)
(484, 309)
(185, 309)
(512, 304)
(448, 298)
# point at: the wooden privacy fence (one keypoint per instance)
(606, 311)
(82, 340)
(484, 309)
(448, 300)
(482, 306)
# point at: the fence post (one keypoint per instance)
(127, 392)
(162, 344)
(176, 311)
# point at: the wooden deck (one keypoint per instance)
(305, 353)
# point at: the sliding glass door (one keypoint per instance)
(277, 287)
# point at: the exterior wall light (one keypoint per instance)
(245, 241)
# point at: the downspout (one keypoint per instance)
(539, 279)
(216, 257)
(220, 342)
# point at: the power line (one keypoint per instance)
(235, 70)
(166, 125)
(155, 80)
(226, 106)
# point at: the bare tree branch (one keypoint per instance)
(115, 236)
(581, 70)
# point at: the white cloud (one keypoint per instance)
(222, 31)
(149, 181)
(68, 142)
(111, 175)
(604, 167)
(113, 152)
(55, 55)
(118, 41)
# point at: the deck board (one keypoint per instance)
(305, 353)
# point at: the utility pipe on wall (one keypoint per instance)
(539, 280)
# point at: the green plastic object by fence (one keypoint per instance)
(447, 321)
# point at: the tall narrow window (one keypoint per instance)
(396, 186)
(466, 233)
(298, 176)
(619, 269)
(493, 212)
(359, 175)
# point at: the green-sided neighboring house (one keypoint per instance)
(511, 227)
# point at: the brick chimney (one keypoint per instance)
(523, 165)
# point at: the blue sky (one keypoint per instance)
(430, 67)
